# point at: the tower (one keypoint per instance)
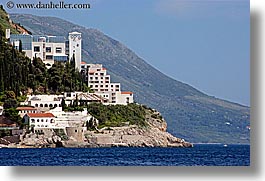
(75, 41)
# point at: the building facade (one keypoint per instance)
(99, 82)
(40, 120)
(50, 48)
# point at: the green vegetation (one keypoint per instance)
(4, 21)
(118, 115)
(20, 75)
(61, 134)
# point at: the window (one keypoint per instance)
(48, 49)
(58, 50)
(36, 49)
(49, 57)
(33, 120)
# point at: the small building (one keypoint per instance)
(24, 110)
(124, 97)
(40, 120)
(6, 123)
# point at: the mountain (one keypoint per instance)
(190, 114)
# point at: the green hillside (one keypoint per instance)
(4, 21)
(190, 114)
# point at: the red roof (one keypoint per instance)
(26, 108)
(40, 115)
(126, 93)
(83, 62)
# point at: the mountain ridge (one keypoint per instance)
(185, 108)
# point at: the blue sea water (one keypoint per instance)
(199, 155)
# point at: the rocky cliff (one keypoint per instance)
(153, 135)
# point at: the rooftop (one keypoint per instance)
(26, 108)
(40, 115)
(126, 92)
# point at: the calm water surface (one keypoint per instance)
(203, 155)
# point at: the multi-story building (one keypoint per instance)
(50, 48)
(99, 82)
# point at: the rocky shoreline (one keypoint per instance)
(130, 136)
(154, 135)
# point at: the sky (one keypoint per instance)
(204, 43)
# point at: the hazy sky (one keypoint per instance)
(205, 43)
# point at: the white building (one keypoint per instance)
(99, 82)
(50, 48)
(43, 101)
(40, 120)
(75, 48)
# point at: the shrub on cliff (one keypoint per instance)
(118, 115)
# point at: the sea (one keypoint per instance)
(199, 155)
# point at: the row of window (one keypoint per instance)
(97, 73)
(42, 120)
(48, 49)
(46, 105)
(28, 111)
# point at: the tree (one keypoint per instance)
(63, 104)
(20, 46)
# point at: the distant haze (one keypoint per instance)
(202, 43)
